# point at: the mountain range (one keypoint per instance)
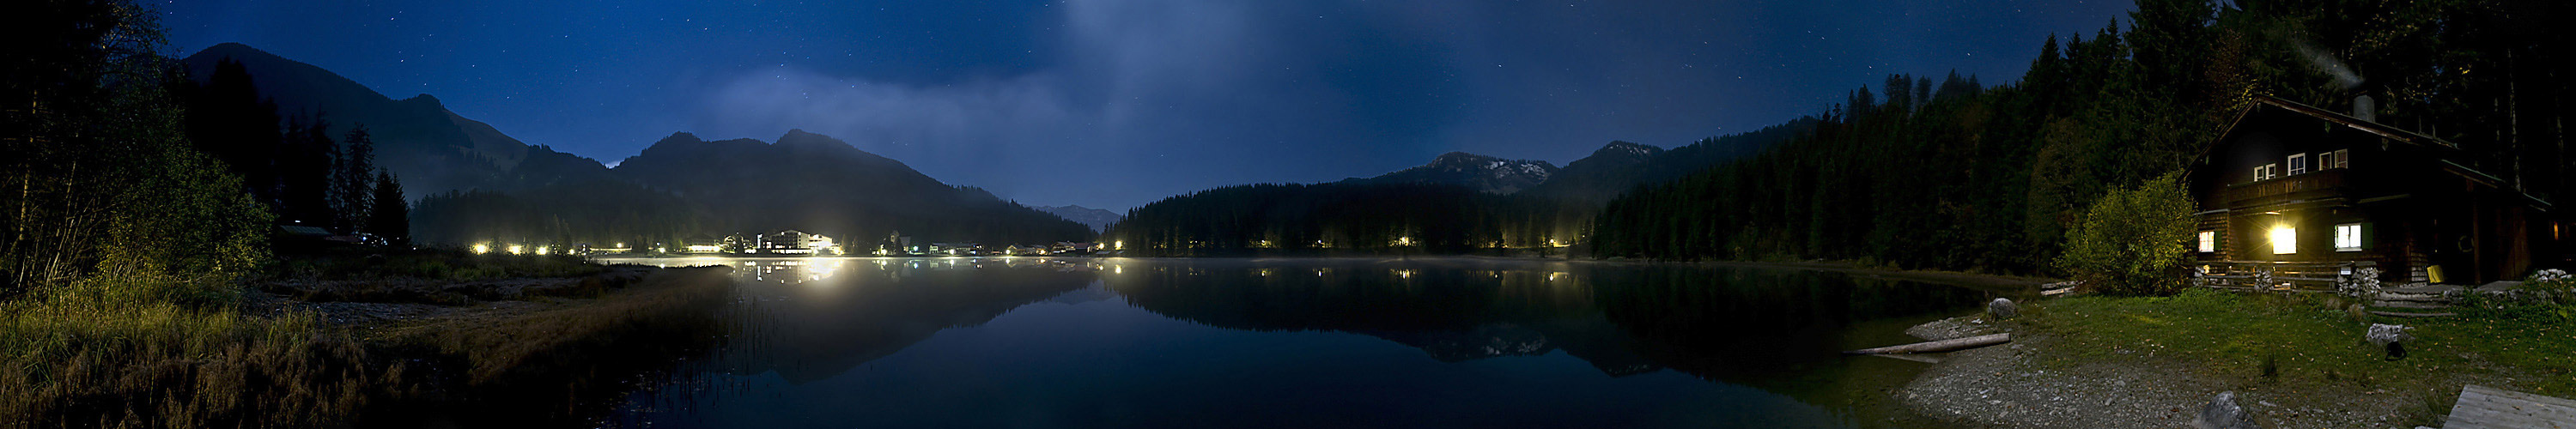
(499, 188)
(1613, 169)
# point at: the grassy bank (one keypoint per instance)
(115, 353)
(2310, 352)
(158, 352)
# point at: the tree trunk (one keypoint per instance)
(1948, 345)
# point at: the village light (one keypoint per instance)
(480, 248)
(541, 250)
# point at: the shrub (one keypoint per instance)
(2131, 240)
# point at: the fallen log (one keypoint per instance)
(1948, 345)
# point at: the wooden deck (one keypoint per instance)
(2482, 407)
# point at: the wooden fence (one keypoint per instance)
(2357, 278)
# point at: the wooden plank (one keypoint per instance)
(2483, 407)
(2399, 314)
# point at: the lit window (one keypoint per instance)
(2208, 241)
(2348, 237)
(2285, 240)
(2266, 172)
(2342, 159)
(2298, 164)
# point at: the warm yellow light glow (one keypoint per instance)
(515, 249)
(480, 248)
(1404, 241)
(541, 250)
(2285, 240)
(1120, 245)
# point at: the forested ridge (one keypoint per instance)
(1377, 217)
(1953, 176)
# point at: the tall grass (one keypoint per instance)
(151, 352)
(154, 352)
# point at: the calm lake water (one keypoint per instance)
(1440, 342)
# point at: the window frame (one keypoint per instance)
(2342, 158)
(2285, 240)
(2208, 241)
(2354, 236)
(2298, 163)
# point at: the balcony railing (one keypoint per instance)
(2327, 181)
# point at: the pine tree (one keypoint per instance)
(352, 178)
(390, 217)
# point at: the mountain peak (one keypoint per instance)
(1482, 173)
(1624, 148)
(798, 137)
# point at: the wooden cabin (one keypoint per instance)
(2290, 183)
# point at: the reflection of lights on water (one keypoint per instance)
(1404, 273)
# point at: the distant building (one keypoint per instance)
(2292, 183)
(702, 243)
(793, 242)
(1018, 250)
(955, 249)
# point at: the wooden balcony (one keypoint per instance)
(2311, 185)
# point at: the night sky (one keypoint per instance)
(1116, 103)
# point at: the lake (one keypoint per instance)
(1422, 342)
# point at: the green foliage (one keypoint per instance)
(2131, 240)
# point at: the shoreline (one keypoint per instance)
(1981, 280)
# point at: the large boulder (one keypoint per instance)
(2391, 337)
(2223, 413)
(2002, 308)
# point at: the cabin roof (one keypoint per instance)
(2383, 130)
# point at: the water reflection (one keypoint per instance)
(1121, 342)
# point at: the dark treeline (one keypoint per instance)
(104, 186)
(1358, 217)
(297, 164)
(1421, 217)
(600, 213)
(1951, 175)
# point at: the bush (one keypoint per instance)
(2131, 240)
